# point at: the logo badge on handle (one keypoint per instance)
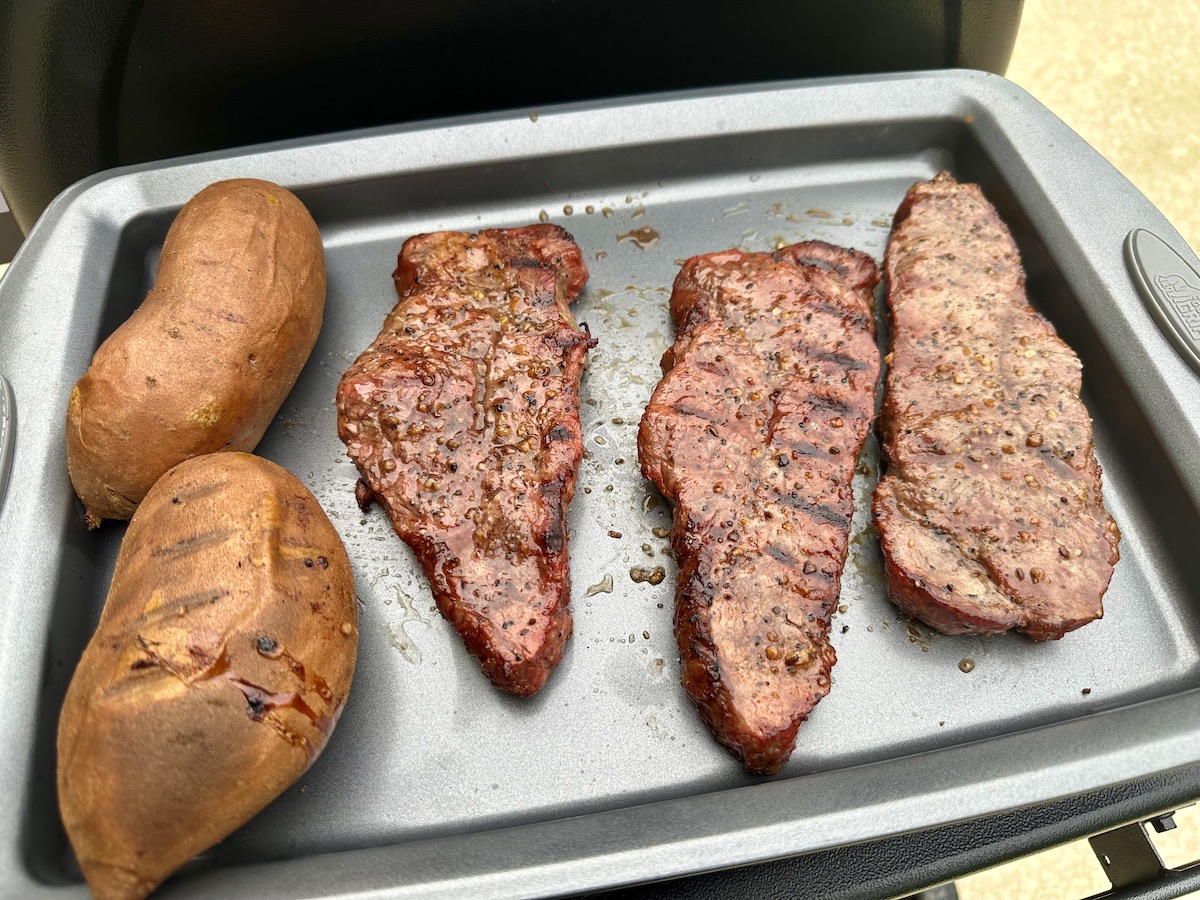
(1170, 288)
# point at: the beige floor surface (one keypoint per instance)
(1125, 74)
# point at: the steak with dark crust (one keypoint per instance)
(463, 419)
(990, 514)
(753, 433)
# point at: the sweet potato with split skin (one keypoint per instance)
(207, 359)
(219, 667)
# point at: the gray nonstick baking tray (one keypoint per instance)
(435, 784)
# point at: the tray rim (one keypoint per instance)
(1081, 755)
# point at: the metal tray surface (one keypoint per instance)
(437, 785)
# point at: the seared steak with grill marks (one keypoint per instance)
(767, 396)
(463, 418)
(990, 513)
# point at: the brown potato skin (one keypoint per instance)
(207, 359)
(221, 662)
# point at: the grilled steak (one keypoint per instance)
(990, 512)
(767, 396)
(463, 418)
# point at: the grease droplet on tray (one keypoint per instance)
(653, 576)
(603, 586)
(644, 238)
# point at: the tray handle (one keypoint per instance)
(1170, 288)
(8, 427)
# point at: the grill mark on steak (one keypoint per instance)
(990, 513)
(753, 434)
(463, 419)
(838, 518)
(841, 360)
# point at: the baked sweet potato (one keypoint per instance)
(219, 667)
(207, 359)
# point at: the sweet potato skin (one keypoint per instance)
(207, 359)
(219, 667)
